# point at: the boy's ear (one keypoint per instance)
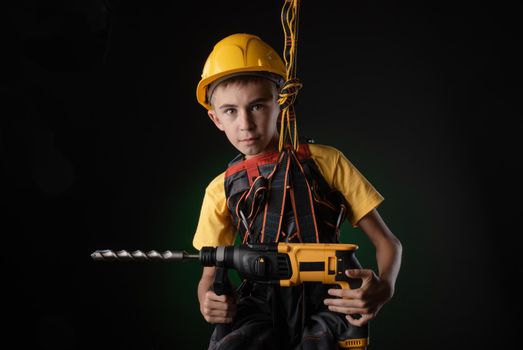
(215, 119)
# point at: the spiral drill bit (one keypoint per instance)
(138, 255)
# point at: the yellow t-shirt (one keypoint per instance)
(215, 227)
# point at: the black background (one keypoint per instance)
(105, 147)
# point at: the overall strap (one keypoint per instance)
(302, 202)
(275, 204)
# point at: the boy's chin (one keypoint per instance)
(251, 151)
(254, 150)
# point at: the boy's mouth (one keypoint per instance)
(249, 140)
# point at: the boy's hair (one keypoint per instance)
(244, 79)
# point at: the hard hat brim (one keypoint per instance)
(201, 89)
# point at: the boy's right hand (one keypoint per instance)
(218, 308)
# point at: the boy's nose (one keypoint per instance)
(245, 119)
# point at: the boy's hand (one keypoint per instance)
(218, 308)
(366, 300)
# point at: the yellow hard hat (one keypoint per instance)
(238, 54)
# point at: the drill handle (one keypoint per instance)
(355, 338)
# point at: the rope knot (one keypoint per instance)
(289, 92)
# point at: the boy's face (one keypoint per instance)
(247, 112)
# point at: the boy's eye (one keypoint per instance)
(230, 111)
(257, 107)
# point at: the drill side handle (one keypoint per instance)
(222, 286)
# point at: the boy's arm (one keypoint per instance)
(214, 308)
(375, 291)
(388, 247)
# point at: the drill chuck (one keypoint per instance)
(208, 256)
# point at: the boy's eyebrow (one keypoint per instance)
(227, 105)
(258, 100)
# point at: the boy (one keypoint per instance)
(267, 195)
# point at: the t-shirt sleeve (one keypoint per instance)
(214, 225)
(341, 174)
(359, 192)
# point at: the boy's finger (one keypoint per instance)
(215, 313)
(344, 293)
(217, 305)
(360, 321)
(213, 296)
(344, 310)
(352, 303)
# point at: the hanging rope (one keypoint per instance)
(289, 90)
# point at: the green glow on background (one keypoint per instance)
(184, 321)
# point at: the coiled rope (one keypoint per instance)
(289, 90)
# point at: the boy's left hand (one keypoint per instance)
(366, 300)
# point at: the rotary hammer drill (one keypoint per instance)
(286, 264)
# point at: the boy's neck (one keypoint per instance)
(272, 147)
(267, 153)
